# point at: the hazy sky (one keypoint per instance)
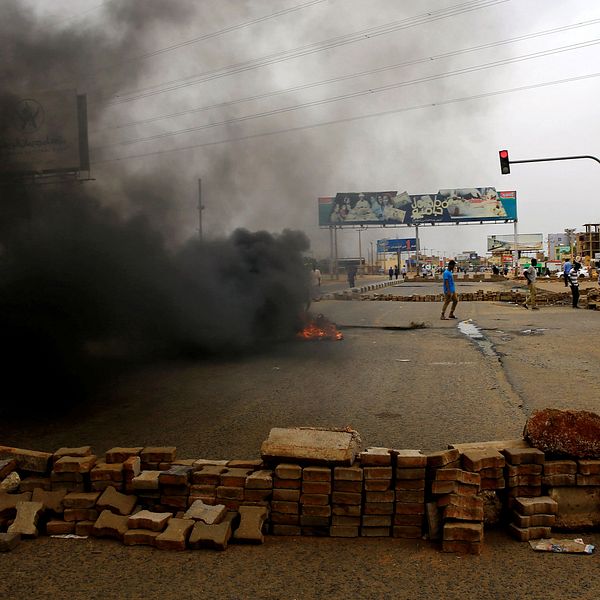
(266, 172)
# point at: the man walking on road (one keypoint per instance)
(531, 276)
(574, 283)
(449, 292)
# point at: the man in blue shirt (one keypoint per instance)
(449, 291)
(566, 271)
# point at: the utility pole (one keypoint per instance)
(200, 209)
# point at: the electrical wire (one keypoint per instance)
(176, 84)
(427, 59)
(351, 119)
(359, 93)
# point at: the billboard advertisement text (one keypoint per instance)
(44, 133)
(397, 245)
(402, 208)
(506, 243)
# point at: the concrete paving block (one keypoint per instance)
(175, 536)
(25, 523)
(74, 464)
(120, 455)
(145, 519)
(27, 460)
(140, 537)
(8, 503)
(146, 480)
(7, 466)
(79, 451)
(546, 505)
(465, 532)
(51, 500)
(110, 525)
(209, 514)
(59, 527)
(81, 499)
(409, 459)
(120, 504)
(252, 519)
(317, 445)
(260, 480)
(210, 536)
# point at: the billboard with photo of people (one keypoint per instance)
(402, 208)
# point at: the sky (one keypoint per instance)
(267, 141)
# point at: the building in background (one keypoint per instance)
(559, 246)
(588, 243)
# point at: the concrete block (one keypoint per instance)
(524, 534)
(347, 474)
(475, 460)
(80, 514)
(140, 537)
(409, 459)
(546, 505)
(158, 454)
(59, 527)
(146, 480)
(146, 519)
(578, 507)
(251, 524)
(442, 458)
(26, 519)
(199, 511)
(74, 464)
(120, 504)
(465, 532)
(314, 444)
(259, 480)
(520, 456)
(374, 457)
(27, 460)
(175, 536)
(120, 455)
(110, 525)
(79, 451)
(210, 536)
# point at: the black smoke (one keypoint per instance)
(82, 286)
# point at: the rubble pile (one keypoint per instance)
(319, 483)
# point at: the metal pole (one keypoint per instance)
(330, 252)
(514, 162)
(359, 252)
(516, 250)
(335, 268)
(417, 249)
(200, 209)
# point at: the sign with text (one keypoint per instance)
(397, 245)
(394, 208)
(506, 243)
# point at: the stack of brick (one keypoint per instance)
(145, 486)
(559, 473)
(105, 475)
(409, 507)
(157, 458)
(258, 488)
(71, 469)
(174, 487)
(315, 501)
(588, 472)
(444, 459)
(230, 490)
(532, 517)
(285, 505)
(80, 514)
(489, 464)
(346, 501)
(205, 480)
(462, 510)
(378, 489)
(131, 463)
(524, 467)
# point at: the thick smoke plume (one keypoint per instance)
(81, 285)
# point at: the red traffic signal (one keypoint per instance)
(504, 162)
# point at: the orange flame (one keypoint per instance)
(319, 328)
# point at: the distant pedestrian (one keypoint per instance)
(531, 275)
(396, 271)
(495, 270)
(574, 283)
(449, 292)
(315, 282)
(566, 270)
(391, 272)
(352, 275)
(404, 272)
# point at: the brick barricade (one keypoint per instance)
(146, 496)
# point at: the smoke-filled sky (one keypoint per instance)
(275, 141)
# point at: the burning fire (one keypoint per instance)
(319, 328)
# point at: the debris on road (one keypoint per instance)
(576, 546)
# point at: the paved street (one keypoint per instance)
(401, 387)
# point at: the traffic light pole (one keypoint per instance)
(514, 162)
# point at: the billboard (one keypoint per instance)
(393, 208)
(397, 245)
(506, 243)
(44, 133)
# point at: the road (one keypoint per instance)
(410, 387)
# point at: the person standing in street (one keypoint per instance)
(449, 292)
(391, 272)
(352, 275)
(531, 276)
(396, 271)
(566, 270)
(574, 283)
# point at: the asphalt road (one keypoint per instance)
(405, 387)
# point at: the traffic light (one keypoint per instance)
(504, 162)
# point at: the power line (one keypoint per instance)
(301, 51)
(213, 34)
(355, 75)
(360, 93)
(81, 14)
(352, 119)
